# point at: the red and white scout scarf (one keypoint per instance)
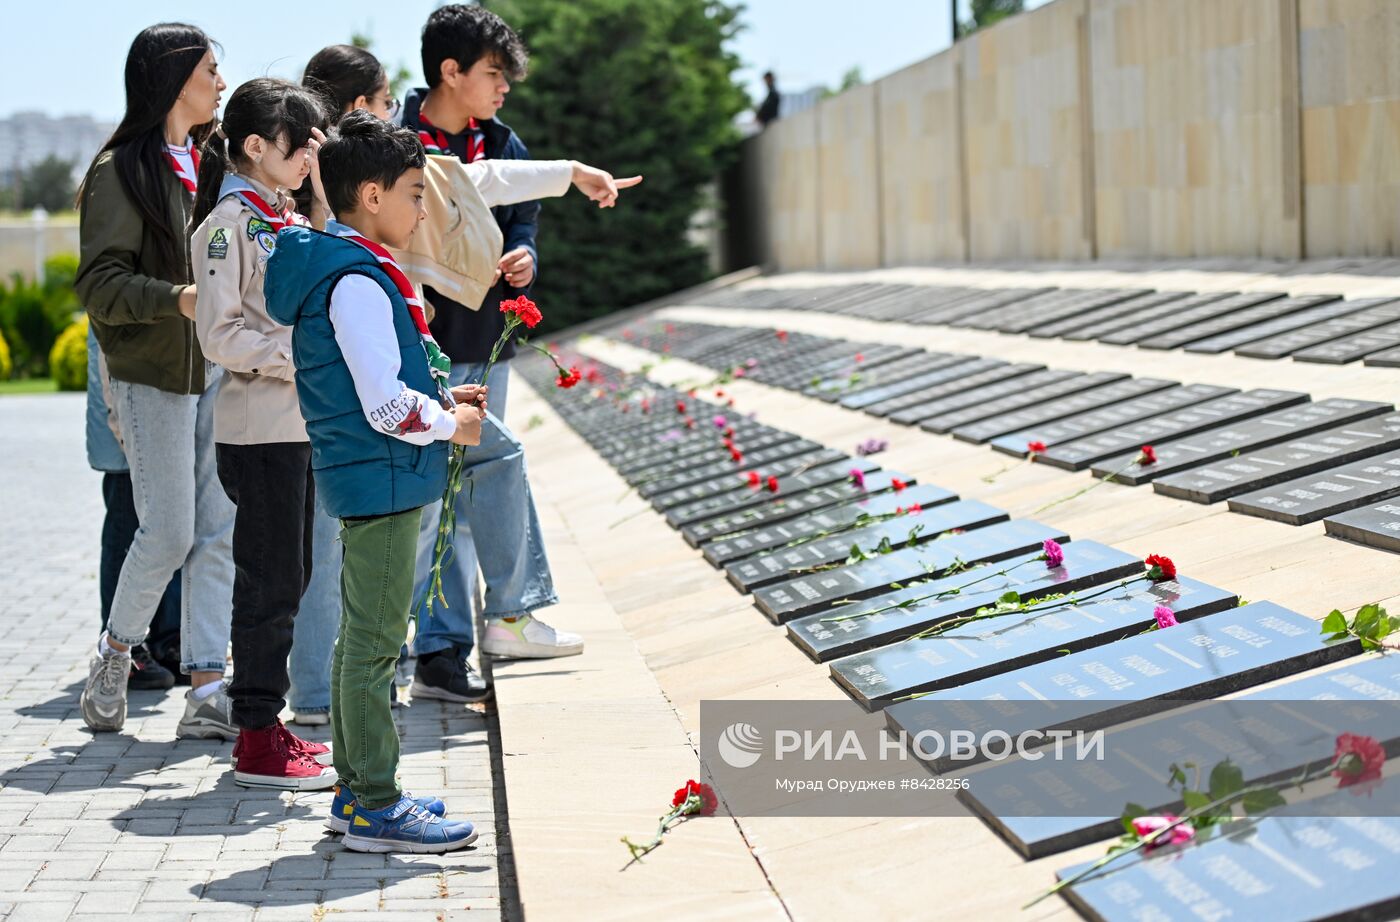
(276, 219)
(185, 178)
(435, 141)
(438, 363)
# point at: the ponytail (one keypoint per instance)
(213, 164)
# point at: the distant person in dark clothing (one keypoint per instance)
(768, 109)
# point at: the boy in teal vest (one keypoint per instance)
(372, 387)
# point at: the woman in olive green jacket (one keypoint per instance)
(134, 280)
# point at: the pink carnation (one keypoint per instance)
(1165, 616)
(1145, 826)
(858, 477)
(1053, 553)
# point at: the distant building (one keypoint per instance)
(26, 138)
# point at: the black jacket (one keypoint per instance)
(468, 335)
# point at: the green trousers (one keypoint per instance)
(376, 591)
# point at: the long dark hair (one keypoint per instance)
(275, 110)
(161, 59)
(340, 74)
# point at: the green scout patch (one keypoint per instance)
(218, 243)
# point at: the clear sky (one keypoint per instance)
(65, 57)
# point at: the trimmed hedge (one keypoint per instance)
(68, 359)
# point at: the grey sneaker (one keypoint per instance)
(103, 701)
(210, 719)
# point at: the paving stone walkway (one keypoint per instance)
(136, 823)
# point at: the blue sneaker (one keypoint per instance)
(405, 827)
(343, 807)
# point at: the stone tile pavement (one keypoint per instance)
(139, 824)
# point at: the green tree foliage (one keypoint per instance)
(633, 86)
(48, 184)
(987, 13)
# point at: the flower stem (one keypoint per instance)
(1097, 483)
(942, 594)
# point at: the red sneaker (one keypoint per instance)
(317, 752)
(265, 760)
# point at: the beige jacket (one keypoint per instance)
(457, 247)
(257, 403)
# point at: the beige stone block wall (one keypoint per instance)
(791, 189)
(921, 185)
(1023, 118)
(1350, 68)
(849, 174)
(1195, 127)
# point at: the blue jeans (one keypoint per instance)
(497, 508)
(318, 620)
(186, 521)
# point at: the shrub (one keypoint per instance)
(32, 315)
(68, 360)
(5, 366)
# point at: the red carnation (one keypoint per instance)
(690, 422)
(897, 484)
(1035, 448)
(754, 478)
(915, 509)
(524, 310)
(592, 375)
(670, 328)
(772, 485)
(680, 407)
(1146, 456)
(719, 394)
(1359, 759)
(568, 379)
(729, 432)
(1159, 568)
(626, 334)
(709, 803)
(730, 403)
(859, 357)
(781, 334)
(736, 456)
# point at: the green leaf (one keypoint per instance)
(1010, 597)
(1334, 623)
(1225, 779)
(1130, 813)
(1256, 802)
(1194, 800)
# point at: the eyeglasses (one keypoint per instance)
(393, 105)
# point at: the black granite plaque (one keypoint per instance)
(836, 387)
(970, 366)
(1107, 314)
(1376, 525)
(1254, 332)
(791, 504)
(1121, 414)
(1284, 868)
(840, 519)
(1248, 435)
(1018, 318)
(870, 623)
(1351, 348)
(979, 651)
(992, 317)
(701, 450)
(1137, 675)
(1374, 312)
(1390, 358)
(1325, 493)
(1148, 314)
(805, 594)
(1295, 458)
(737, 483)
(1020, 399)
(979, 396)
(1000, 372)
(990, 299)
(1235, 320)
(746, 497)
(763, 459)
(1186, 317)
(1042, 807)
(1212, 414)
(765, 569)
(1054, 410)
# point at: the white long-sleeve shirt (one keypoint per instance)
(506, 182)
(363, 318)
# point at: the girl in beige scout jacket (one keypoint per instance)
(263, 150)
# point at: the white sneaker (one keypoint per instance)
(311, 718)
(527, 637)
(103, 701)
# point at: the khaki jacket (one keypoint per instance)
(257, 403)
(456, 248)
